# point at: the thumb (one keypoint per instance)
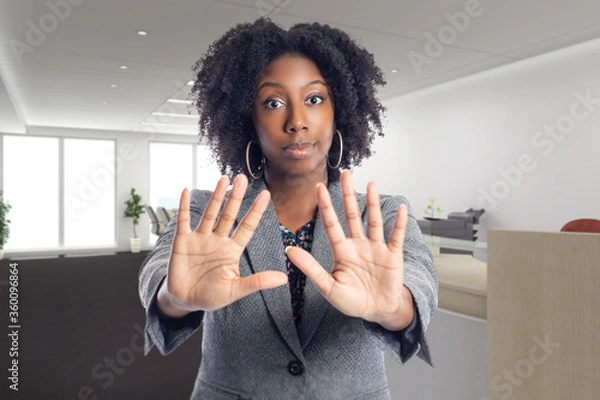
(263, 280)
(311, 268)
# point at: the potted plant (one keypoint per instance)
(134, 210)
(432, 208)
(4, 222)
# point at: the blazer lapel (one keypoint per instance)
(315, 304)
(265, 252)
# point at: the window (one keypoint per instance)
(170, 172)
(30, 180)
(208, 172)
(89, 192)
(172, 169)
(62, 192)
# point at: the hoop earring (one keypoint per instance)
(339, 160)
(260, 168)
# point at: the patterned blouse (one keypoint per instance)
(296, 278)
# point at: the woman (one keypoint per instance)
(299, 282)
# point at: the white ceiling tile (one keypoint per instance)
(63, 78)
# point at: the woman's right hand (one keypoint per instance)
(204, 271)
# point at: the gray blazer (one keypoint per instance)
(251, 348)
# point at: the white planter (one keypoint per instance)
(136, 244)
(433, 244)
(435, 250)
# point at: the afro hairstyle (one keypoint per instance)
(226, 76)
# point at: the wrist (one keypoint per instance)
(402, 316)
(167, 306)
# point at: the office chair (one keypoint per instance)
(171, 212)
(163, 215)
(157, 227)
(582, 225)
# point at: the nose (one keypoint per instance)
(296, 119)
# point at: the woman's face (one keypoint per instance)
(293, 117)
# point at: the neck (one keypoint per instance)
(294, 196)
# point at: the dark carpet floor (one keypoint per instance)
(81, 334)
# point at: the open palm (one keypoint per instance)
(203, 272)
(367, 276)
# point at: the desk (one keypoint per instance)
(463, 284)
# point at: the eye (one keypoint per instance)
(314, 100)
(272, 104)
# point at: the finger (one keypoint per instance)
(396, 242)
(248, 224)
(211, 212)
(253, 283)
(351, 210)
(374, 219)
(332, 226)
(312, 269)
(232, 207)
(183, 215)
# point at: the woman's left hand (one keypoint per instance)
(367, 276)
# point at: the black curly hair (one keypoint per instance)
(225, 87)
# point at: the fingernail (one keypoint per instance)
(286, 249)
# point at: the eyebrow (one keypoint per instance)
(279, 85)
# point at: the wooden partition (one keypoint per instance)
(543, 312)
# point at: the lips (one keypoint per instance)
(298, 150)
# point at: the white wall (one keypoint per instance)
(452, 141)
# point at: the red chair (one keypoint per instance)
(582, 225)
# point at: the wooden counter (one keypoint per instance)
(543, 315)
(463, 284)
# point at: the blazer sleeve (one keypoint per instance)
(421, 278)
(161, 331)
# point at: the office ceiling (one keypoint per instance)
(57, 63)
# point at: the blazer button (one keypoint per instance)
(295, 368)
